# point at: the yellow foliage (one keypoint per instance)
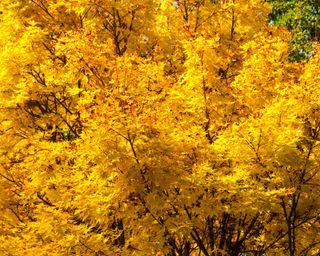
(155, 128)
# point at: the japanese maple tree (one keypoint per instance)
(155, 128)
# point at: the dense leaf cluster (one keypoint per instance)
(158, 128)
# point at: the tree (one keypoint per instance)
(155, 127)
(302, 18)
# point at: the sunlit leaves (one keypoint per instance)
(154, 127)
